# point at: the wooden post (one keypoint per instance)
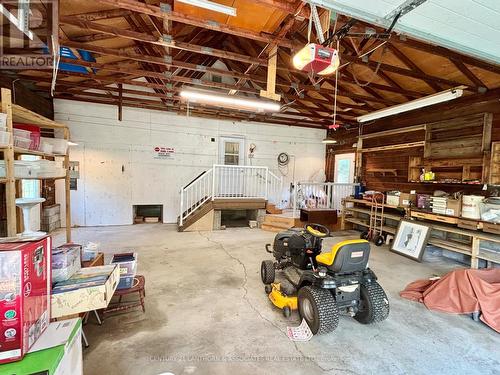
(270, 92)
(120, 102)
(474, 261)
(67, 190)
(10, 185)
(359, 159)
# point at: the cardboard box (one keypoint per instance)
(58, 351)
(453, 207)
(25, 281)
(424, 201)
(406, 199)
(89, 289)
(393, 198)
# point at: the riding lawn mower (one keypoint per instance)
(322, 285)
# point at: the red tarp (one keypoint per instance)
(462, 291)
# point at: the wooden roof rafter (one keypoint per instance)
(173, 49)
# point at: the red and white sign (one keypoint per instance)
(161, 152)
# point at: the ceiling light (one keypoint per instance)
(414, 104)
(231, 101)
(329, 141)
(210, 5)
(317, 59)
(72, 143)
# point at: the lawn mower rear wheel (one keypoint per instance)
(318, 307)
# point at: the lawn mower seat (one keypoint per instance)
(346, 256)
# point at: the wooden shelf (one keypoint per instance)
(368, 203)
(367, 212)
(468, 244)
(16, 113)
(489, 256)
(450, 245)
(382, 171)
(445, 183)
(4, 180)
(23, 151)
(385, 228)
(23, 115)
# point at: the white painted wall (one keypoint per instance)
(118, 169)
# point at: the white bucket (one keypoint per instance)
(470, 206)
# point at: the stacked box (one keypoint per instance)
(25, 282)
(424, 201)
(128, 268)
(66, 261)
(51, 218)
(438, 205)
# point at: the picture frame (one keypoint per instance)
(411, 239)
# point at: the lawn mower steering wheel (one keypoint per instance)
(317, 230)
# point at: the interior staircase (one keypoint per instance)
(228, 187)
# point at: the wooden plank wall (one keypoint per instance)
(398, 159)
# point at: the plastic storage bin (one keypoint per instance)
(22, 142)
(127, 262)
(126, 282)
(3, 120)
(65, 262)
(60, 146)
(490, 210)
(22, 169)
(34, 134)
(4, 137)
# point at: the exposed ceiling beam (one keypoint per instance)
(156, 11)
(148, 38)
(410, 64)
(468, 73)
(103, 14)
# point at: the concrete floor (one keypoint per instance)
(206, 313)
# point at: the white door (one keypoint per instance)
(344, 168)
(231, 178)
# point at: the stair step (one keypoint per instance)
(279, 219)
(278, 225)
(270, 228)
(271, 209)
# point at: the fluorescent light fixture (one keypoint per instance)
(231, 101)
(210, 5)
(72, 143)
(329, 141)
(414, 104)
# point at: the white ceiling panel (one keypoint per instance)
(468, 26)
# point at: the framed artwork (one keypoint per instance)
(411, 239)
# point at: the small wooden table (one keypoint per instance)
(138, 286)
(323, 216)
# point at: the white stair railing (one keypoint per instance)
(195, 194)
(327, 195)
(229, 182)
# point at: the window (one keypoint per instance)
(231, 153)
(344, 168)
(343, 171)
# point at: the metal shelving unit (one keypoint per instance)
(16, 113)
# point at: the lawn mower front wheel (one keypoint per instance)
(267, 273)
(318, 307)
